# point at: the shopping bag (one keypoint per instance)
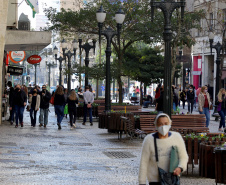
(66, 109)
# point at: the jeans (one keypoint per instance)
(19, 113)
(195, 102)
(174, 107)
(146, 103)
(72, 115)
(33, 114)
(207, 113)
(12, 112)
(59, 110)
(183, 104)
(192, 103)
(222, 114)
(44, 113)
(85, 114)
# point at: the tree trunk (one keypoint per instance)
(141, 94)
(120, 89)
(97, 90)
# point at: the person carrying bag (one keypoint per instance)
(159, 151)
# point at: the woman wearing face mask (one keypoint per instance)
(204, 104)
(221, 108)
(34, 100)
(165, 139)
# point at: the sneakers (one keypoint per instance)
(11, 122)
(44, 125)
(83, 123)
(91, 124)
(16, 126)
(220, 129)
(40, 125)
(72, 128)
(59, 126)
(74, 125)
(22, 124)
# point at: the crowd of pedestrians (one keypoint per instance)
(39, 99)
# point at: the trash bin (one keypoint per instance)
(220, 164)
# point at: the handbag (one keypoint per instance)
(52, 100)
(165, 178)
(66, 109)
(89, 106)
(28, 108)
(174, 159)
(211, 106)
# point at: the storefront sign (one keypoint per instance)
(196, 72)
(17, 56)
(34, 59)
(15, 70)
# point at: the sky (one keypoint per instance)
(26, 9)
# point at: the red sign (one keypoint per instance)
(34, 59)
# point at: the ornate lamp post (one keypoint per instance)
(60, 59)
(109, 33)
(167, 7)
(87, 47)
(69, 55)
(218, 47)
(49, 65)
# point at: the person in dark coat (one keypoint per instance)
(19, 101)
(12, 112)
(72, 101)
(45, 97)
(159, 101)
(190, 99)
(183, 97)
(59, 104)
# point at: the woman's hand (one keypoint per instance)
(200, 110)
(177, 171)
(220, 101)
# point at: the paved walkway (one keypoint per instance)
(86, 155)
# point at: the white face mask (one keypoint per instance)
(164, 129)
(205, 91)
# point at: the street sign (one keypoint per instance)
(16, 71)
(34, 59)
(17, 56)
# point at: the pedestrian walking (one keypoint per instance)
(59, 103)
(12, 111)
(190, 99)
(19, 101)
(183, 97)
(159, 101)
(34, 104)
(88, 100)
(204, 104)
(195, 99)
(72, 101)
(157, 147)
(221, 108)
(45, 97)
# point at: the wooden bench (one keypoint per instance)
(180, 123)
(129, 108)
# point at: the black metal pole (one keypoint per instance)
(60, 69)
(86, 73)
(218, 61)
(87, 47)
(35, 73)
(69, 74)
(167, 8)
(49, 74)
(108, 76)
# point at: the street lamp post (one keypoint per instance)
(167, 7)
(68, 55)
(49, 65)
(218, 47)
(60, 59)
(109, 33)
(35, 73)
(87, 47)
